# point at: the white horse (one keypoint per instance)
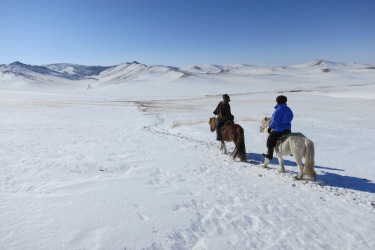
(295, 144)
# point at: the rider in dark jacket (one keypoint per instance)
(280, 124)
(223, 115)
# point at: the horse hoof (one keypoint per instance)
(298, 178)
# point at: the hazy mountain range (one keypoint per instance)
(138, 71)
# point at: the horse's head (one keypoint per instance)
(264, 124)
(212, 123)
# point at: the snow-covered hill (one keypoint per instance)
(103, 74)
(135, 71)
(242, 69)
(35, 73)
(76, 69)
(319, 66)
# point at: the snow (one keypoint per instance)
(131, 164)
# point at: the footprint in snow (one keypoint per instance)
(142, 217)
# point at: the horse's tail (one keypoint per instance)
(309, 159)
(240, 149)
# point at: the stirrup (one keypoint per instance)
(268, 157)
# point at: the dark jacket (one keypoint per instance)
(282, 118)
(223, 111)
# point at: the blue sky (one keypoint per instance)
(186, 32)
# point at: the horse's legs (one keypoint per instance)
(281, 163)
(300, 168)
(265, 163)
(223, 147)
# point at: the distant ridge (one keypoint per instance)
(135, 71)
(76, 69)
(19, 69)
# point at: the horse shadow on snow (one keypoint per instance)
(324, 177)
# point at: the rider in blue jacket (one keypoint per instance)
(280, 124)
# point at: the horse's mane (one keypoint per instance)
(213, 121)
(266, 120)
(265, 123)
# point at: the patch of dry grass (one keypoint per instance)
(247, 119)
(177, 124)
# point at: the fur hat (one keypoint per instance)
(226, 97)
(281, 99)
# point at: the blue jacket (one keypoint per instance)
(282, 118)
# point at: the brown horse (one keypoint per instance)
(234, 133)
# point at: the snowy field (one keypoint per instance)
(133, 165)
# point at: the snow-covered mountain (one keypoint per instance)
(328, 66)
(65, 71)
(243, 69)
(33, 72)
(76, 69)
(135, 71)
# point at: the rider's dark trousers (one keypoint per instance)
(274, 136)
(220, 124)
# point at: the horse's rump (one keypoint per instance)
(235, 133)
(229, 132)
(286, 136)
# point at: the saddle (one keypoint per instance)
(285, 136)
(282, 139)
(227, 123)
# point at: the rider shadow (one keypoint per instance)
(348, 182)
(325, 178)
(254, 158)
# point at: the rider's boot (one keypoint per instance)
(269, 154)
(218, 135)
